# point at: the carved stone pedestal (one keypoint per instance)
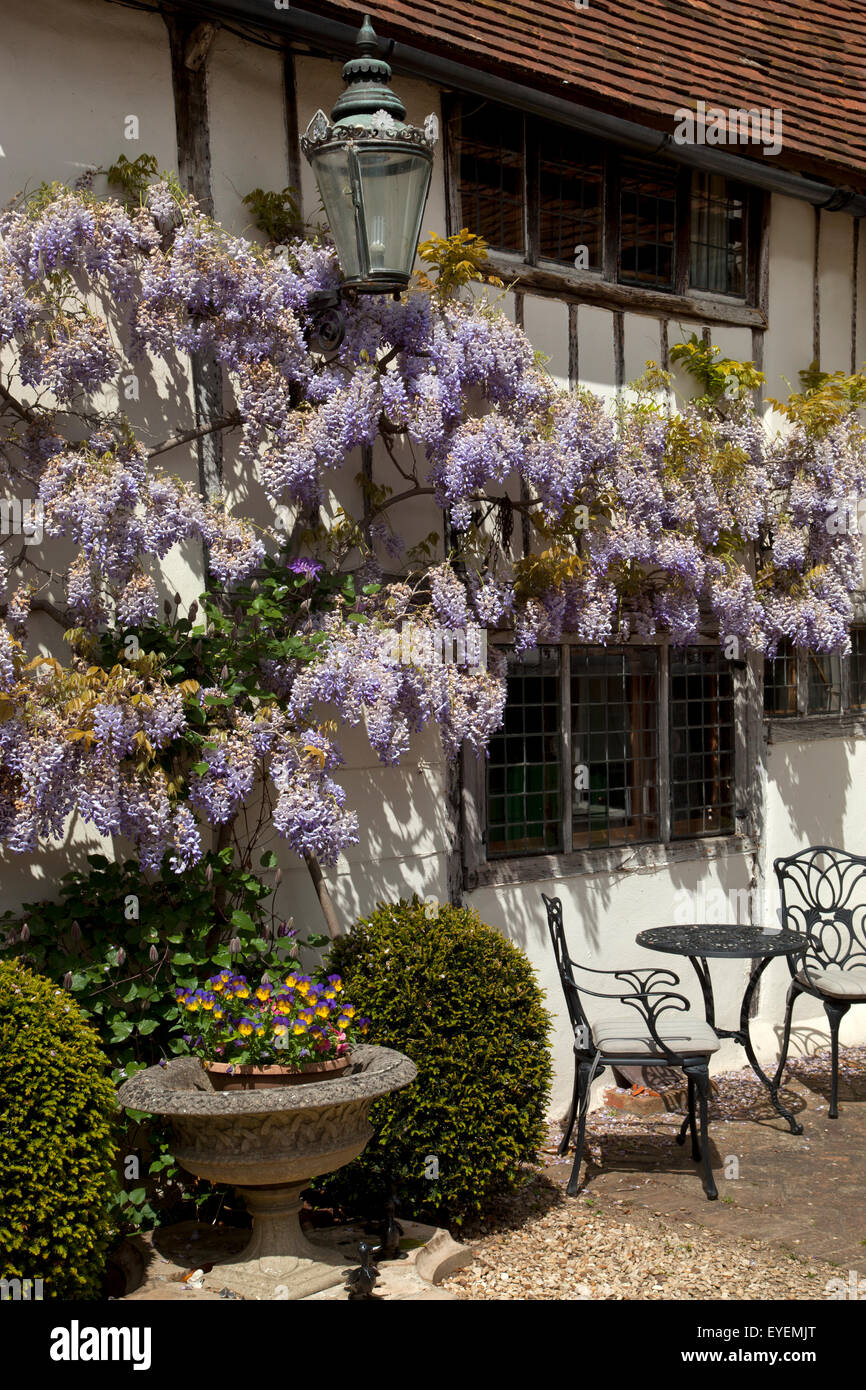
(279, 1258)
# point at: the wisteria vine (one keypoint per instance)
(644, 519)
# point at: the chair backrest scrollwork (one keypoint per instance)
(563, 962)
(823, 894)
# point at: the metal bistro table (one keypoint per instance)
(717, 940)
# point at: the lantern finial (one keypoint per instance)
(367, 78)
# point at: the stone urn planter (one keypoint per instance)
(269, 1144)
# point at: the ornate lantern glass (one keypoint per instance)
(373, 173)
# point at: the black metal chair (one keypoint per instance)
(824, 897)
(633, 1036)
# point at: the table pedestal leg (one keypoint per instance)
(745, 1037)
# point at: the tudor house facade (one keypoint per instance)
(643, 784)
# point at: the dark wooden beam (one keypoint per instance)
(190, 43)
(816, 291)
(855, 272)
(293, 138)
(576, 287)
(573, 348)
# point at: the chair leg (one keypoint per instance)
(583, 1071)
(835, 1013)
(794, 992)
(572, 1114)
(689, 1123)
(696, 1148)
(702, 1085)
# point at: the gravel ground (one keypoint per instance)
(539, 1244)
(573, 1251)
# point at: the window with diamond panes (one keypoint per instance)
(718, 225)
(701, 743)
(524, 769)
(492, 174)
(539, 190)
(647, 214)
(780, 683)
(614, 746)
(570, 197)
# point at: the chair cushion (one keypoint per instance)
(620, 1034)
(835, 982)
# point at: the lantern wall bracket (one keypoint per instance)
(329, 321)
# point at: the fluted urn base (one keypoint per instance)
(279, 1261)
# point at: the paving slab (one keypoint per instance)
(168, 1256)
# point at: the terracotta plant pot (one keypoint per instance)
(250, 1078)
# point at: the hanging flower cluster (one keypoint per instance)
(643, 519)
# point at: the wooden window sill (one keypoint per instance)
(627, 858)
(584, 287)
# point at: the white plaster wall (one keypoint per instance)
(814, 797)
(834, 288)
(71, 71)
(247, 127)
(788, 342)
(595, 355)
(642, 344)
(545, 323)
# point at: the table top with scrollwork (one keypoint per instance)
(708, 939)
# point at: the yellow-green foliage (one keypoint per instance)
(825, 399)
(464, 1004)
(457, 261)
(58, 1121)
(719, 376)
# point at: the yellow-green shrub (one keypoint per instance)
(58, 1121)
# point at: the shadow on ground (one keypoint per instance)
(802, 1192)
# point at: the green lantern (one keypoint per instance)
(373, 172)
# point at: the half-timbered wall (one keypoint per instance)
(79, 69)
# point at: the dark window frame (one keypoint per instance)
(603, 285)
(481, 868)
(804, 683)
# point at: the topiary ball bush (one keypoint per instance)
(463, 1003)
(58, 1120)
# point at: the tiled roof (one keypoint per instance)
(646, 58)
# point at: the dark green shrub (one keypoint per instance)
(58, 1122)
(464, 1004)
(121, 944)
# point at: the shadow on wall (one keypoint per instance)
(809, 784)
(605, 911)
